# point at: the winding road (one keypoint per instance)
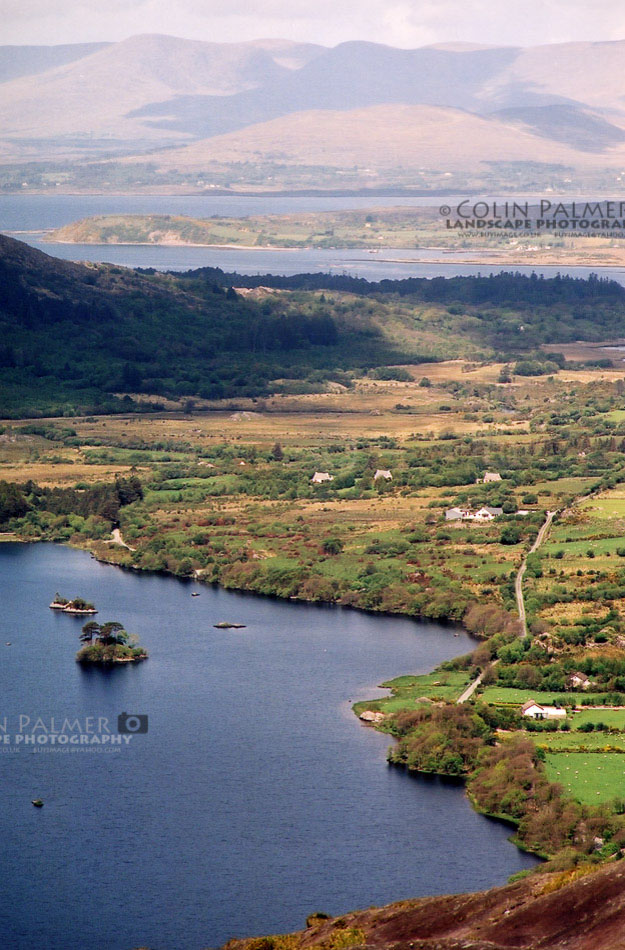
(518, 588)
(518, 584)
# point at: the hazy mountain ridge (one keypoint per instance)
(97, 94)
(274, 98)
(17, 61)
(380, 137)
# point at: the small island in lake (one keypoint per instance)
(225, 625)
(109, 643)
(76, 606)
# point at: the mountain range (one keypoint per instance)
(186, 104)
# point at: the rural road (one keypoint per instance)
(518, 584)
(518, 587)
(468, 693)
(117, 539)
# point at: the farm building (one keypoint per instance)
(465, 514)
(534, 710)
(382, 473)
(487, 514)
(320, 477)
(578, 681)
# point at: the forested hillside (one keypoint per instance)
(90, 338)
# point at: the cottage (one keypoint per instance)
(487, 514)
(382, 473)
(492, 477)
(578, 681)
(534, 710)
(320, 477)
(465, 514)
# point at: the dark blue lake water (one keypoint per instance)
(27, 216)
(255, 798)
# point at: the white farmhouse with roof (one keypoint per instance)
(466, 514)
(320, 477)
(492, 477)
(382, 473)
(534, 710)
(577, 680)
(487, 514)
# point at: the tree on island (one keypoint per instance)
(108, 643)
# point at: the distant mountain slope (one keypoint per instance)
(564, 103)
(350, 76)
(16, 61)
(96, 95)
(382, 137)
(579, 128)
(588, 73)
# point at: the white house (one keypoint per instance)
(534, 710)
(465, 514)
(320, 477)
(382, 473)
(578, 681)
(487, 514)
(492, 477)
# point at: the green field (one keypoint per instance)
(591, 778)
(615, 718)
(407, 690)
(501, 695)
(577, 741)
(607, 506)
(580, 549)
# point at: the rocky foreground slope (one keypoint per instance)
(575, 910)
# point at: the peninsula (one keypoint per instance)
(377, 230)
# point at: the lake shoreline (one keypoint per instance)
(509, 821)
(213, 812)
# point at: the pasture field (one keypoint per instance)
(592, 778)
(577, 741)
(500, 695)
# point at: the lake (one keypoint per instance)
(254, 798)
(26, 217)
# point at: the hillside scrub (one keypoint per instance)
(505, 778)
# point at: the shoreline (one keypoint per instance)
(492, 816)
(451, 257)
(325, 605)
(393, 740)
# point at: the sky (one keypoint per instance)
(404, 23)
